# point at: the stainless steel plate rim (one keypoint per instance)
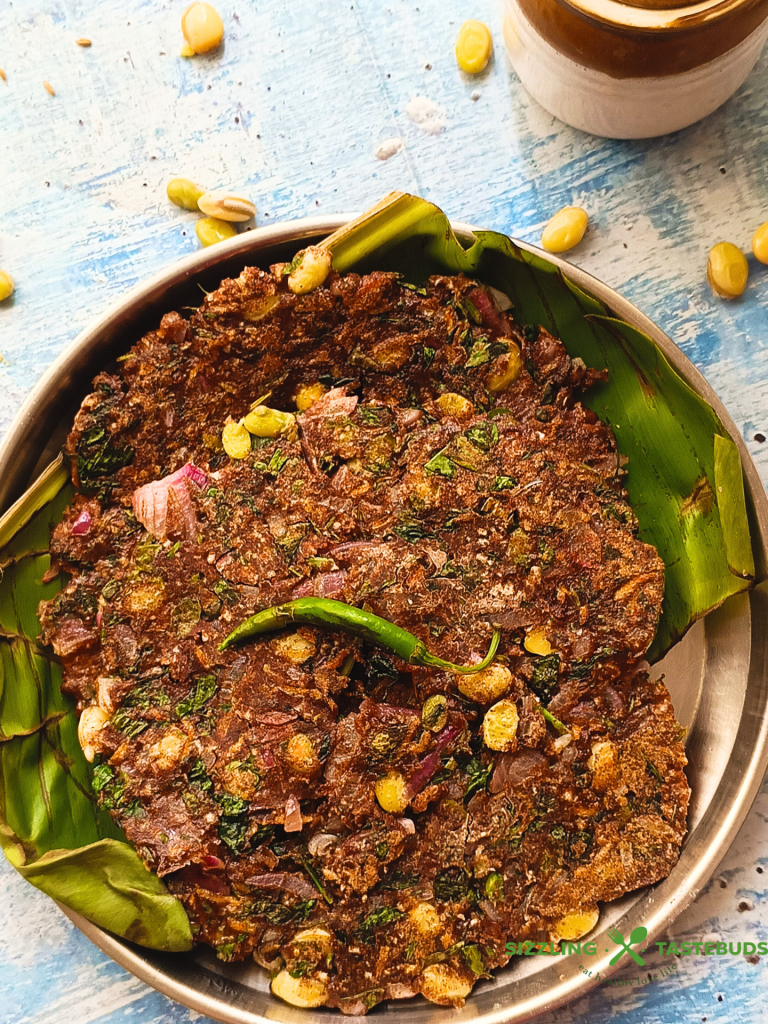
(219, 997)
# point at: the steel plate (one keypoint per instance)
(716, 674)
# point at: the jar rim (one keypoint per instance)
(676, 14)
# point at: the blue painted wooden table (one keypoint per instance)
(292, 111)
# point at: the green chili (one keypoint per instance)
(558, 725)
(321, 611)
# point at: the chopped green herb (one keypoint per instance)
(483, 435)
(380, 917)
(479, 354)
(494, 886)
(397, 881)
(427, 356)
(171, 552)
(128, 724)
(503, 483)
(198, 776)
(233, 824)
(185, 617)
(441, 465)
(204, 688)
(473, 958)
(451, 885)
(544, 678)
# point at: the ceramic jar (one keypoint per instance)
(633, 69)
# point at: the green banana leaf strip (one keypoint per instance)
(684, 481)
(51, 829)
(684, 473)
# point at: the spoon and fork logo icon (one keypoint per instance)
(639, 934)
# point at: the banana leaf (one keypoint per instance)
(684, 481)
(684, 476)
(51, 829)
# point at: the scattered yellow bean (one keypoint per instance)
(500, 726)
(574, 926)
(536, 642)
(49, 88)
(202, 27)
(304, 992)
(391, 792)
(312, 266)
(184, 193)
(474, 47)
(265, 422)
(226, 206)
(236, 440)
(307, 395)
(3, 75)
(211, 230)
(505, 370)
(760, 243)
(455, 406)
(444, 985)
(83, 42)
(565, 230)
(727, 270)
(425, 918)
(486, 686)
(301, 754)
(434, 713)
(6, 285)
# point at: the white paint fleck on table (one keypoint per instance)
(291, 112)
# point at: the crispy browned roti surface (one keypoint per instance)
(445, 517)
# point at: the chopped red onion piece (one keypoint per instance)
(82, 524)
(151, 502)
(293, 821)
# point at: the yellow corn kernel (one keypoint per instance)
(500, 726)
(486, 686)
(265, 422)
(303, 992)
(444, 985)
(391, 792)
(236, 440)
(727, 270)
(536, 642)
(92, 721)
(565, 230)
(226, 206)
(6, 285)
(307, 395)
(202, 27)
(294, 647)
(505, 370)
(83, 42)
(456, 406)
(760, 243)
(301, 753)
(184, 193)
(310, 269)
(474, 47)
(425, 919)
(170, 750)
(211, 230)
(574, 926)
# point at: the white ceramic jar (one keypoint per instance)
(635, 69)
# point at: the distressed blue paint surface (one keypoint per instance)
(290, 112)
